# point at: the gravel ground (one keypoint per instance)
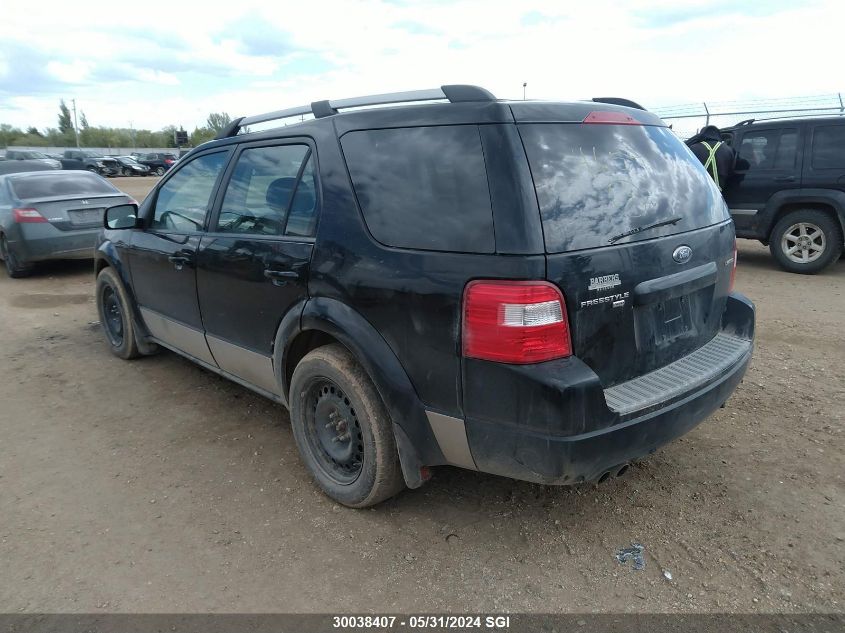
(155, 486)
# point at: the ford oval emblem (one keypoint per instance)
(682, 254)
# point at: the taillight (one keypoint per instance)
(23, 216)
(169, 161)
(516, 322)
(733, 270)
(611, 118)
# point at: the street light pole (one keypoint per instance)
(524, 85)
(75, 126)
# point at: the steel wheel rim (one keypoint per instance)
(112, 316)
(803, 242)
(333, 432)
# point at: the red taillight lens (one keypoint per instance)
(611, 118)
(518, 322)
(169, 161)
(23, 216)
(733, 270)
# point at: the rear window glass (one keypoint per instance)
(598, 182)
(58, 184)
(829, 147)
(423, 188)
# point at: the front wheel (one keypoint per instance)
(806, 241)
(115, 315)
(14, 268)
(342, 429)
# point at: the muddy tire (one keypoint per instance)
(115, 313)
(342, 429)
(806, 241)
(14, 268)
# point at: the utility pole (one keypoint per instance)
(524, 85)
(75, 126)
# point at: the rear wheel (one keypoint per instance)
(344, 433)
(806, 241)
(115, 315)
(14, 267)
(159, 171)
(125, 172)
(93, 170)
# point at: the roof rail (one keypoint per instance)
(455, 93)
(619, 101)
(744, 122)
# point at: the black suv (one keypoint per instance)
(536, 290)
(788, 188)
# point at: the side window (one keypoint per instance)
(785, 154)
(757, 150)
(423, 187)
(302, 219)
(260, 191)
(183, 201)
(829, 147)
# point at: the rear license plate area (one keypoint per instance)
(85, 217)
(662, 323)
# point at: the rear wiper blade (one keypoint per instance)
(640, 229)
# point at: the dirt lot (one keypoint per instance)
(156, 486)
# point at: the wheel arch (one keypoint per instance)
(830, 202)
(324, 321)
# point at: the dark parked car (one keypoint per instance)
(89, 160)
(51, 215)
(25, 154)
(130, 167)
(788, 188)
(157, 162)
(18, 166)
(536, 290)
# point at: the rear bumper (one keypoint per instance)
(567, 433)
(39, 242)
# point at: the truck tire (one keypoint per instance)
(342, 429)
(806, 241)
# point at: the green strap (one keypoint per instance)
(711, 161)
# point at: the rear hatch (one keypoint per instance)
(637, 236)
(70, 200)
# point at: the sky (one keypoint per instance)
(171, 63)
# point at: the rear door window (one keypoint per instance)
(423, 187)
(597, 182)
(829, 147)
(767, 149)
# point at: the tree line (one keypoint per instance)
(102, 136)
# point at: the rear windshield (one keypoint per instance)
(597, 182)
(67, 184)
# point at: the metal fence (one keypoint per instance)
(687, 119)
(107, 151)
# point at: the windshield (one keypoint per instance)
(599, 182)
(50, 184)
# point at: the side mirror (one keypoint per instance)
(122, 216)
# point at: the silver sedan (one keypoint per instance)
(52, 215)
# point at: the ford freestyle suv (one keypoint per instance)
(788, 188)
(537, 290)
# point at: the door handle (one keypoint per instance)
(178, 261)
(280, 277)
(784, 178)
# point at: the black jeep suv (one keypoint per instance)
(536, 290)
(788, 188)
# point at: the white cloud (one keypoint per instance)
(199, 59)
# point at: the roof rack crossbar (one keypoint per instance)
(452, 93)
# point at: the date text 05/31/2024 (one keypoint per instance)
(421, 622)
